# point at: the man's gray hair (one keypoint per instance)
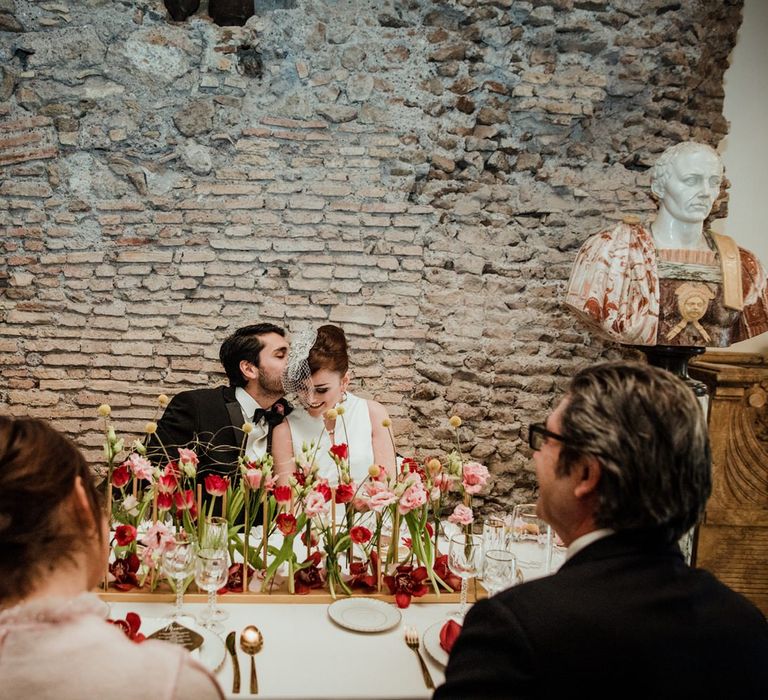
(661, 168)
(649, 434)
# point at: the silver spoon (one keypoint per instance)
(251, 641)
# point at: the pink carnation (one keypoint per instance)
(381, 500)
(140, 466)
(315, 504)
(415, 496)
(461, 515)
(188, 456)
(474, 477)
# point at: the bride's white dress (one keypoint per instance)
(306, 429)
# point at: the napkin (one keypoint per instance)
(448, 635)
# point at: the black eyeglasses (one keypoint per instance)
(537, 433)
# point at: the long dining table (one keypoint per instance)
(307, 655)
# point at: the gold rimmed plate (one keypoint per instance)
(364, 614)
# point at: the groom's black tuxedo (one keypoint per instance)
(623, 618)
(208, 421)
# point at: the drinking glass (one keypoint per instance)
(178, 564)
(499, 569)
(464, 557)
(215, 534)
(531, 541)
(210, 575)
(494, 533)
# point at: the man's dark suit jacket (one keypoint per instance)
(206, 420)
(623, 618)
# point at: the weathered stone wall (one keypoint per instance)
(421, 173)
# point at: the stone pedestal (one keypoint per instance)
(733, 538)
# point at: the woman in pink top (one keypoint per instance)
(54, 640)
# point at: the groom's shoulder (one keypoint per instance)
(202, 396)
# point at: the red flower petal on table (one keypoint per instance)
(360, 534)
(340, 451)
(125, 534)
(345, 493)
(121, 476)
(323, 488)
(286, 523)
(449, 633)
(130, 627)
(216, 485)
(283, 494)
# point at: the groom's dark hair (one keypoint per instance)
(244, 344)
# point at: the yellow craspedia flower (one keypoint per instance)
(386, 423)
(434, 466)
(150, 428)
(163, 400)
(340, 410)
(454, 421)
(104, 410)
(374, 470)
(331, 414)
(247, 428)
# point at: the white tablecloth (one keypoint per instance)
(306, 655)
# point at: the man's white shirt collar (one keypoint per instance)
(585, 540)
(256, 445)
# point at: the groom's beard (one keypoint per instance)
(271, 384)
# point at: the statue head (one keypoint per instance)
(686, 179)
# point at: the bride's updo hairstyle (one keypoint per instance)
(39, 524)
(329, 351)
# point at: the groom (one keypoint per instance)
(210, 420)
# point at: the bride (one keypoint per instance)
(318, 372)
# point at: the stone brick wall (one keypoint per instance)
(420, 172)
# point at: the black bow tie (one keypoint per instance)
(274, 415)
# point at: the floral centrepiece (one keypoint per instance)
(380, 534)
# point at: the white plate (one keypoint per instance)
(432, 643)
(364, 614)
(211, 654)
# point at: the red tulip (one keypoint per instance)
(125, 534)
(121, 476)
(286, 523)
(216, 485)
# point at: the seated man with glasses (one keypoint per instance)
(623, 467)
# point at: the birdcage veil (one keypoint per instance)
(296, 378)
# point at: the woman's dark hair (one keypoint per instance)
(244, 344)
(38, 525)
(329, 350)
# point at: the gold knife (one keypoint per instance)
(230, 643)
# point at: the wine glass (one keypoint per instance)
(464, 555)
(531, 541)
(499, 568)
(178, 564)
(210, 575)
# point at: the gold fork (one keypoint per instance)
(412, 640)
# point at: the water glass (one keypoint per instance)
(178, 565)
(464, 558)
(531, 541)
(494, 533)
(215, 534)
(211, 573)
(499, 570)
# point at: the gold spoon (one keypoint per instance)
(251, 641)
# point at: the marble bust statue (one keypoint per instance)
(671, 282)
